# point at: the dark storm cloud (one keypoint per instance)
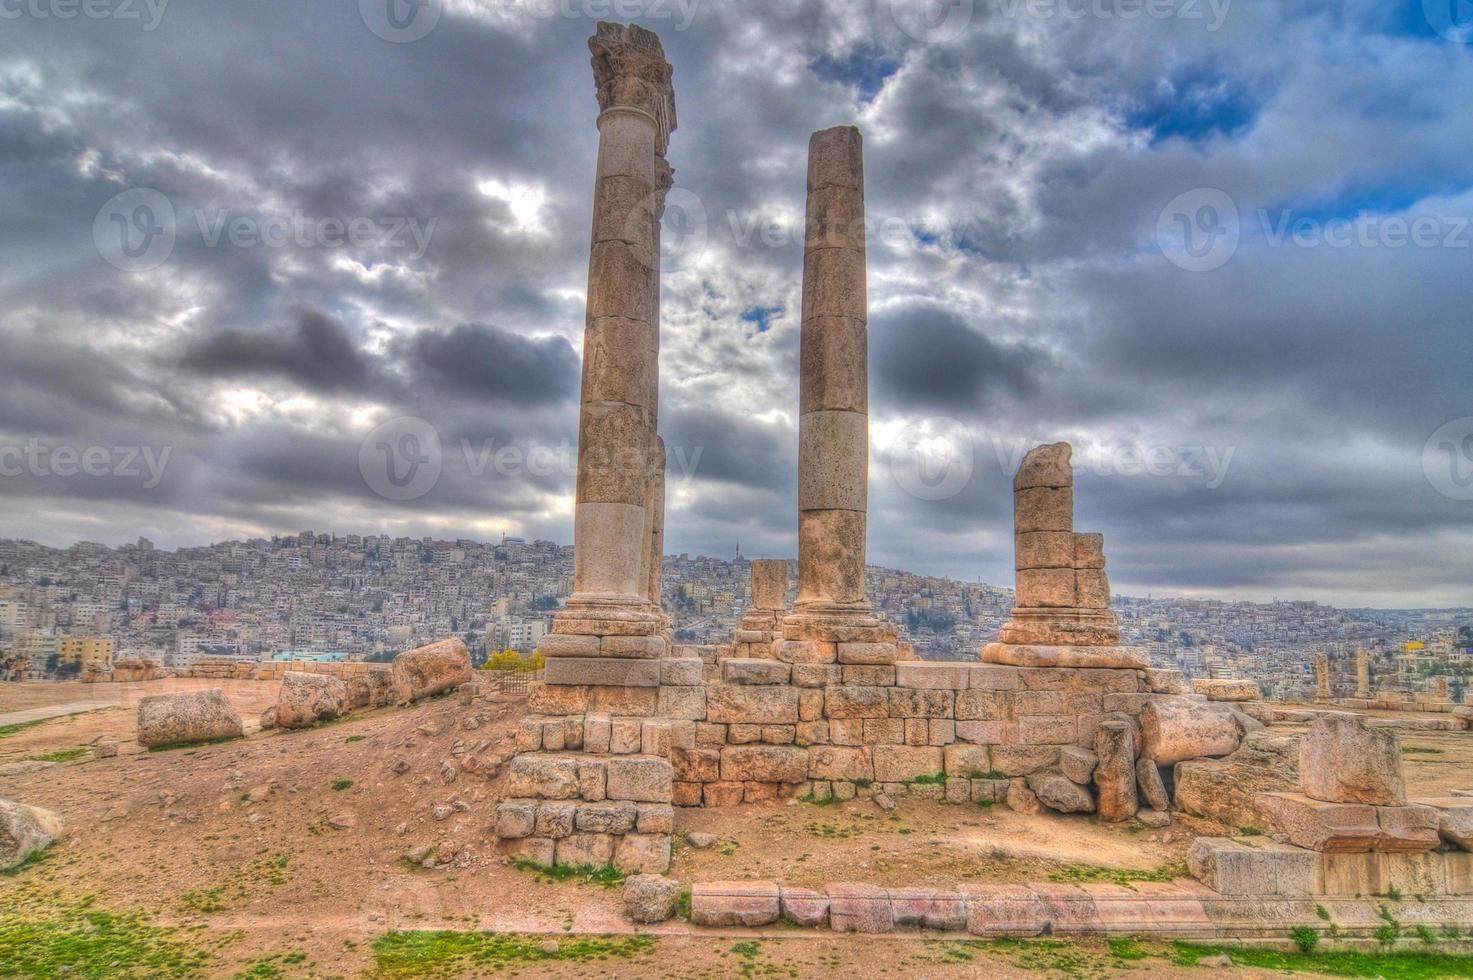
(486, 363)
(315, 351)
(1018, 169)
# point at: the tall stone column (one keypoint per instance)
(1322, 677)
(832, 611)
(833, 424)
(618, 518)
(1362, 675)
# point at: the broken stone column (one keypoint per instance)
(761, 624)
(1061, 616)
(833, 427)
(1322, 677)
(592, 783)
(1440, 690)
(1115, 776)
(1362, 675)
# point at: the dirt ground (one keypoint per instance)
(293, 845)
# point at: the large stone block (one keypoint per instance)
(764, 764)
(547, 777)
(1115, 775)
(1044, 549)
(933, 676)
(900, 763)
(973, 705)
(803, 653)
(753, 705)
(307, 699)
(1260, 869)
(197, 716)
(432, 669)
(836, 157)
(1046, 587)
(1221, 689)
(688, 703)
(831, 544)
(845, 763)
(834, 283)
(770, 584)
(917, 703)
(857, 702)
(805, 907)
(639, 778)
(735, 903)
(606, 817)
(1057, 792)
(967, 761)
(1321, 826)
(1343, 761)
(601, 670)
(1091, 588)
(857, 907)
(515, 818)
(745, 671)
(868, 654)
(1078, 763)
(1407, 828)
(1176, 729)
(1020, 760)
(1455, 818)
(642, 853)
(585, 850)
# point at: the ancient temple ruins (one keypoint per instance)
(818, 698)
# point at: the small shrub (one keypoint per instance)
(342, 784)
(1425, 933)
(1307, 938)
(1250, 831)
(1393, 893)
(355, 738)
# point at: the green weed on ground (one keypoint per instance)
(59, 938)
(62, 755)
(8, 730)
(607, 876)
(1392, 965)
(411, 954)
(176, 746)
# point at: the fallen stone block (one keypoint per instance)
(650, 898)
(1216, 689)
(198, 716)
(1321, 826)
(1175, 729)
(1407, 828)
(805, 907)
(1454, 819)
(1004, 910)
(1058, 792)
(25, 830)
(305, 700)
(735, 903)
(1343, 761)
(433, 669)
(1078, 764)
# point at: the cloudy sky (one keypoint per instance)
(1221, 246)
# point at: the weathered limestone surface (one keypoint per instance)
(1115, 775)
(430, 670)
(1227, 789)
(735, 903)
(1177, 729)
(1343, 761)
(1218, 689)
(25, 830)
(1455, 819)
(198, 716)
(305, 700)
(1258, 869)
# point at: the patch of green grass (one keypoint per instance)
(1393, 893)
(8, 730)
(1307, 938)
(62, 755)
(826, 801)
(413, 954)
(41, 936)
(204, 900)
(1400, 965)
(1322, 912)
(607, 876)
(1047, 956)
(1126, 948)
(355, 738)
(682, 904)
(341, 784)
(176, 746)
(863, 783)
(993, 774)
(932, 779)
(1079, 873)
(29, 861)
(1419, 750)
(1250, 831)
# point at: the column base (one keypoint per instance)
(1043, 655)
(829, 633)
(1062, 626)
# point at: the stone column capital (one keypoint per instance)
(630, 71)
